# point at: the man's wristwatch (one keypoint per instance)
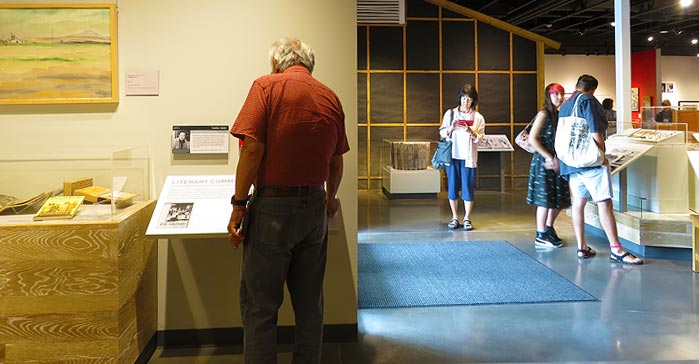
(243, 202)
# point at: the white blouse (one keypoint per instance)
(463, 146)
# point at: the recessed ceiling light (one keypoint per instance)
(613, 23)
(694, 41)
(650, 38)
(685, 3)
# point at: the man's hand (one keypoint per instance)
(333, 205)
(236, 232)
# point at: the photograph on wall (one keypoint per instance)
(634, 99)
(58, 54)
(667, 87)
(211, 139)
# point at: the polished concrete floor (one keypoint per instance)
(645, 314)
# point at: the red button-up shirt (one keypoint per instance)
(301, 123)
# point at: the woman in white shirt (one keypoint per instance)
(466, 127)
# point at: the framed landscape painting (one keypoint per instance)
(58, 54)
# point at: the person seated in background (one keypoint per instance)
(664, 115)
(608, 105)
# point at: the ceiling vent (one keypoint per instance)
(381, 11)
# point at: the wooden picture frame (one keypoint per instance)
(58, 54)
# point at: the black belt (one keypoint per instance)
(287, 191)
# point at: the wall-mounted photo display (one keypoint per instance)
(667, 87)
(634, 99)
(58, 54)
(200, 139)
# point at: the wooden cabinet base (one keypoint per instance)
(78, 291)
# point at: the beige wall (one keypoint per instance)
(566, 70)
(683, 72)
(207, 53)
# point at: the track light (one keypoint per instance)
(694, 41)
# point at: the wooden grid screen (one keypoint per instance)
(408, 75)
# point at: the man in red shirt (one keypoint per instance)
(293, 132)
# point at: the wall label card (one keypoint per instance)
(142, 83)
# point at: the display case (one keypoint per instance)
(406, 169)
(650, 191)
(655, 183)
(29, 179)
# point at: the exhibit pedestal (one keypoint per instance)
(659, 180)
(650, 233)
(411, 183)
(80, 290)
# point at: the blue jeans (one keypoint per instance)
(460, 177)
(286, 241)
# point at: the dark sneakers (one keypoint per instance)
(546, 240)
(552, 233)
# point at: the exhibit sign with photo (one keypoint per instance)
(495, 143)
(198, 139)
(620, 155)
(193, 206)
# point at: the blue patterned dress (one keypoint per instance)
(546, 187)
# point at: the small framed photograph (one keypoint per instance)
(669, 87)
(634, 99)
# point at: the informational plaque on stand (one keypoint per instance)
(192, 207)
(620, 154)
(495, 143)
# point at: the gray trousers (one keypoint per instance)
(286, 241)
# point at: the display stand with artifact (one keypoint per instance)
(407, 171)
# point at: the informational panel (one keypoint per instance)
(211, 139)
(621, 154)
(193, 206)
(495, 143)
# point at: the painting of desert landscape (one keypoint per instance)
(57, 54)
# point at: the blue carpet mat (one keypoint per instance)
(457, 273)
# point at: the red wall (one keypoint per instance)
(643, 76)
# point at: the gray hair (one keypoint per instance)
(287, 52)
